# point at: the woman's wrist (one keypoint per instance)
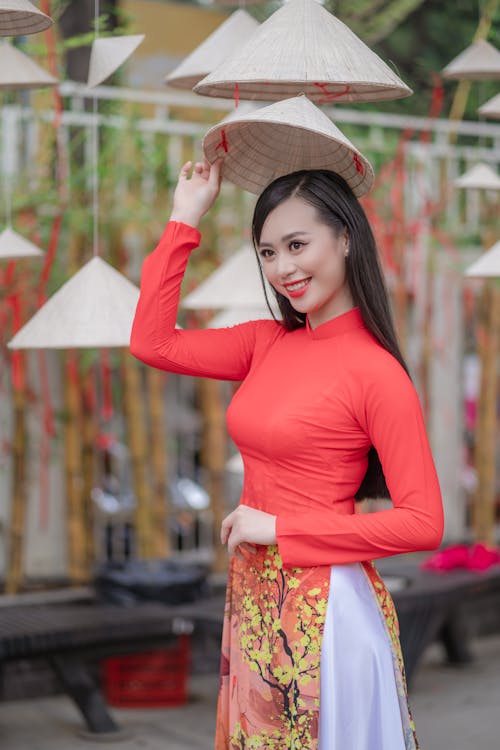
(185, 217)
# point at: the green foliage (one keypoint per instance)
(373, 20)
(427, 41)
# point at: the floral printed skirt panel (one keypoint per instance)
(273, 669)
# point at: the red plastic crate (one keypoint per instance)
(150, 679)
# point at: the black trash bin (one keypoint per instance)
(167, 581)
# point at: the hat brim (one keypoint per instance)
(256, 153)
(20, 17)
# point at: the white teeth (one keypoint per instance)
(298, 285)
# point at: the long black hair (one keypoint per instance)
(337, 207)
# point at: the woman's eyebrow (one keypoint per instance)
(285, 238)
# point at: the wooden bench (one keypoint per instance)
(69, 635)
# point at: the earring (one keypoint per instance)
(346, 252)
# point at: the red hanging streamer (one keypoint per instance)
(107, 392)
(17, 361)
(437, 99)
(236, 94)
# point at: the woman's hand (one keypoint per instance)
(195, 194)
(246, 526)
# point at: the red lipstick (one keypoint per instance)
(299, 290)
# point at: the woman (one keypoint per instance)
(324, 406)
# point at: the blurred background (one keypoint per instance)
(103, 460)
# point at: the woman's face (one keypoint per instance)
(304, 260)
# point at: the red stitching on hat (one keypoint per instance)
(223, 142)
(359, 166)
(328, 95)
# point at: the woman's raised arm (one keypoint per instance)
(225, 353)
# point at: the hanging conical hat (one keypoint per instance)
(235, 284)
(108, 54)
(488, 265)
(216, 48)
(302, 48)
(13, 245)
(95, 308)
(479, 177)
(233, 316)
(281, 138)
(479, 61)
(18, 71)
(20, 17)
(491, 108)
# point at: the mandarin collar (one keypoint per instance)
(343, 323)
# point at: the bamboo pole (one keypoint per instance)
(15, 561)
(90, 431)
(78, 567)
(139, 449)
(75, 500)
(213, 456)
(155, 381)
(483, 507)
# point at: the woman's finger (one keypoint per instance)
(233, 543)
(226, 527)
(216, 174)
(185, 169)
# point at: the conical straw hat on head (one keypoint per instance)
(216, 48)
(108, 54)
(491, 108)
(95, 308)
(284, 137)
(18, 71)
(20, 17)
(480, 61)
(488, 265)
(479, 177)
(302, 48)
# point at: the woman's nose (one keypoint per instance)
(286, 266)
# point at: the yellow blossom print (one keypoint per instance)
(271, 651)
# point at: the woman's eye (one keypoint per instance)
(296, 245)
(266, 253)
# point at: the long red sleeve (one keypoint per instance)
(391, 415)
(224, 354)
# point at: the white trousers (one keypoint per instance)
(359, 706)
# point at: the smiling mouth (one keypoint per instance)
(297, 285)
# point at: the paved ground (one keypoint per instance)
(455, 709)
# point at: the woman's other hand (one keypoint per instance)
(245, 526)
(196, 192)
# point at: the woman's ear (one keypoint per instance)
(345, 238)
